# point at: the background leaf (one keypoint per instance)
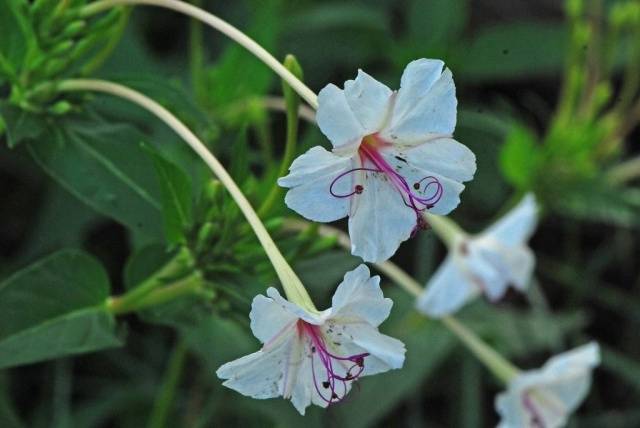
(103, 165)
(55, 307)
(176, 192)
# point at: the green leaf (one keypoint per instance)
(17, 35)
(21, 125)
(436, 22)
(53, 308)
(520, 157)
(512, 51)
(176, 191)
(238, 74)
(104, 166)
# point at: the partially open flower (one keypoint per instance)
(393, 158)
(315, 357)
(483, 264)
(546, 397)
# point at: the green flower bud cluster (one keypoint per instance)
(60, 42)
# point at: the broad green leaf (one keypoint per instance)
(520, 158)
(17, 35)
(175, 186)
(104, 166)
(512, 51)
(436, 22)
(20, 125)
(53, 308)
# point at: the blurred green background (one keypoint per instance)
(547, 98)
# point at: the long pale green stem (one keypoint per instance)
(495, 362)
(224, 27)
(291, 284)
(164, 401)
(445, 228)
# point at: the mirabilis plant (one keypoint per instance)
(394, 169)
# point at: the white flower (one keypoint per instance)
(314, 357)
(393, 157)
(486, 263)
(546, 397)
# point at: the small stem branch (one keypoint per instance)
(625, 171)
(176, 266)
(164, 400)
(185, 286)
(443, 227)
(292, 103)
(496, 363)
(292, 285)
(224, 27)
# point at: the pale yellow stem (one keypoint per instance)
(225, 28)
(292, 285)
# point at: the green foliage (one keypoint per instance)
(98, 171)
(520, 157)
(17, 37)
(175, 186)
(53, 308)
(104, 165)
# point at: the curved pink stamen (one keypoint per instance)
(332, 393)
(357, 188)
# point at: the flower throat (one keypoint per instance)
(373, 161)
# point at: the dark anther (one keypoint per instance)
(313, 349)
(360, 361)
(416, 186)
(464, 249)
(359, 189)
(401, 159)
(334, 396)
(349, 376)
(325, 384)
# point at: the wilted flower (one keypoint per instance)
(393, 157)
(546, 397)
(486, 263)
(315, 357)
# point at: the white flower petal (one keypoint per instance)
(386, 352)
(517, 226)
(447, 290)
(422, 114)
(369, 101)
(444, 159)
(296, 310)
(269, 319)
(263, 374)
(417, 79)
(552, 392)
(497, 266)
(310, 182)
(336, 119)
(359, 297)
(379, 220)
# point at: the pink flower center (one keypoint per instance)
(338, 370)
(373, 161)
(532, 410)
